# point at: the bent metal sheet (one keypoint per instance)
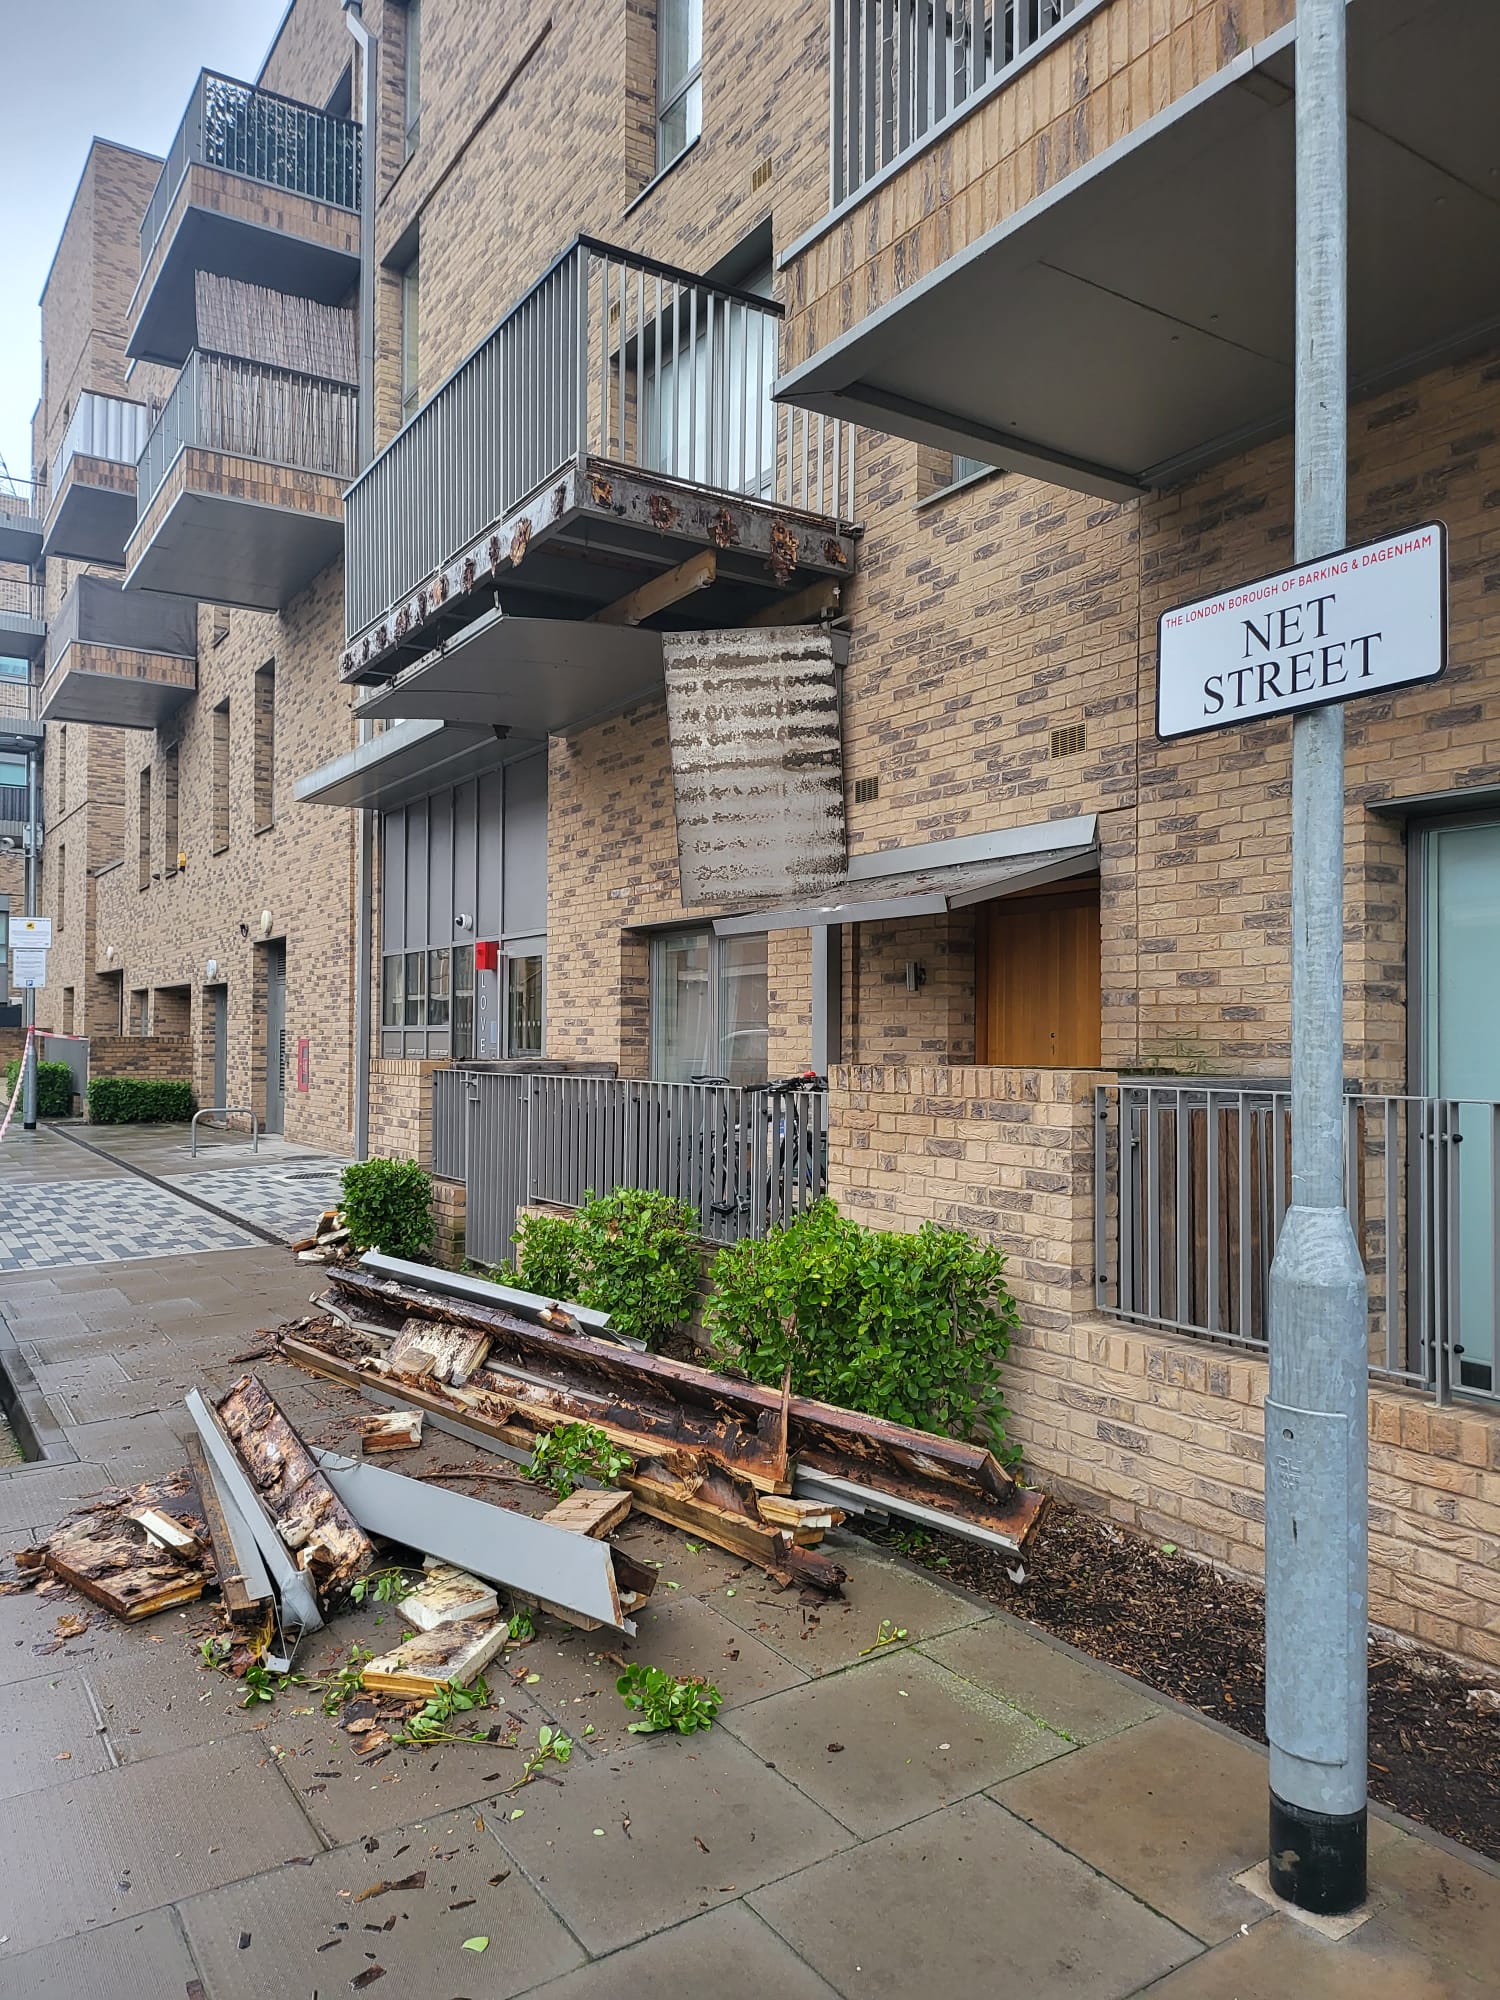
(1361, 621)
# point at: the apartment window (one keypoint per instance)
(679, 78)
(414, 990)
(265, 746)
(67, 1010)
(412, 85)
(220, 831)
(143, 832)
(171, 832)
(463, 1001)
(523, 1004)
(411, 297)
(709, 414)
(709, 1007)
(62, 883)
(438, 968)
(137, 1017)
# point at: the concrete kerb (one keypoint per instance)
(27, 1411)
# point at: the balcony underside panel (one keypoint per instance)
(21, 636)
(91, 523)
(408, 761)
(20, 538)
(117, 687)
(541, 676)
(224, 549)
(1135, 323)
(166, 327)
(593, 536)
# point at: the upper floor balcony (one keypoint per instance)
(22, 505)
(91, 510)
(23, 627)
(255, 187)
(608, 457)
(239, 490)
(126, 659)
(1060, 235)
(20, 711)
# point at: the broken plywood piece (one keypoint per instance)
(398, 1430)
(588, 1511)
(807, 1520)
(311, 1520)
(448, 1596)
(570, 1575)
(442, 1350)
(429, 1660)
(112, 1560)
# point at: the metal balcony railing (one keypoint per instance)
(267, 138)
(20, 596)
(611, 356)
(22, 499)
(266, 414)
(1192, 1181)
(108, 427)
(12, 804)
(902, 69)
(19, 698)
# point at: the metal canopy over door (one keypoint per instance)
(276, 1037)
(1037, 983)
(1459, 1056)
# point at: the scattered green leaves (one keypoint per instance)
(345, 1682)
(522, 1624)
(215, 1650)
(571, 1453)
(430, 1723)
(552, 1747)
(667, 1701)
(384, 1585)
(262, 1685)
(475, 1944)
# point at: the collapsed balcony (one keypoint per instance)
(610, 454)
(240, 487)
(124, 659)
(255, 187)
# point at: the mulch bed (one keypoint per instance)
(1184, 1629)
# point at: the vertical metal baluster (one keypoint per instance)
(1211, 1196)
(869, 159)
(1395, 1260)
(691, 471)
(837, 172)
(640, 364)
(1152, 1207)
(887, 83)
(1243, 1246)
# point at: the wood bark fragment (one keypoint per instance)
(166, 1532)
(447, 1352)
(313, 1522)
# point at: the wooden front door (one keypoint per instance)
(1038, 980)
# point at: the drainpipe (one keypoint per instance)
(28, 1085)
(364, 832)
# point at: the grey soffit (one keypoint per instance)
(409, 760)
(938, 876)
(1169, 257)
(221, 549)
(541, 676)
(91, 523)
(1437, 805)
(118, 701)
(20, 538)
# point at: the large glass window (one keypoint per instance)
(392, 990)
(437, 989)
(709, 1007)
(709, 413)
(523, 1004)
(679, 78)
(416, 989)
(463, 1002)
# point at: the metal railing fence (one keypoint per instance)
(19, 698)
(266, 414)
(267, 138)
(12, 803)
(1192, 1181)
(611, 356)
(22, 499)
(21, 596)
(900, 69)
(108, 427)
(745, 1160)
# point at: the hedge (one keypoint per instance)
(135, 1100)
(54, 1087)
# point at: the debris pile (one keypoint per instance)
(328, 1242)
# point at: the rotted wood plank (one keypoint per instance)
(313, 1522)
(239, 1600)
(590, 1511)
(112, 1560)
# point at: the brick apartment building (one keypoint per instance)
(652, 729)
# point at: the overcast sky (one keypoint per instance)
(122, 69)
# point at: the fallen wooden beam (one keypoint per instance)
(166, 1532)
(244, 1587)
(397, 1430)
(310, 1518)
(447, 1596)
(562, 1315)
(445, 1351)
(300, 1610)
(590, 1511)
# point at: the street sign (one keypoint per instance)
(1361, 621)
(33, 931)
(28, 967)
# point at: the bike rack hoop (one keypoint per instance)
(226, 1111)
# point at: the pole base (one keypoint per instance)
(1318, 1859)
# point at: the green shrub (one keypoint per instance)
(912, 1328)
(638, 1260)
(571, 1453)
(138, 1100)
(54, 1088)
(547, 1255)
(387, 1205)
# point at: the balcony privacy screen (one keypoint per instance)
(253, 323)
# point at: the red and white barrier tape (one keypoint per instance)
(15, 1096)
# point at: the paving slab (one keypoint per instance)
(819, 1638)
(131, 1840)
(38, 1496)
(1068, 1694)
(1282, 1960)
(1445, 1908)
(967, 1903)
(139, 1958)
(1171, 1810)
(132, 1448)
(49, 1733)
(288, 1914)
(696, 1569)
(731, 1954)
(891, 1740)
(707, 1821)
(154, 1692)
